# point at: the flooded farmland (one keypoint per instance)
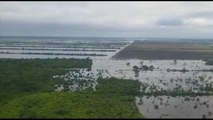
(49, 47)
(155, 75)
(194, 80)
(176, 107)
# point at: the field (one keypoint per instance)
(162, 50)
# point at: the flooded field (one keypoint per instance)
(158, 77)
(62, 47)
(176, 107)
(197, 79)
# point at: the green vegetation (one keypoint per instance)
(33, 53)
(146, 68)
(177, 91)
(118, 87)
(143, 68)
(176, 70)
(113, 98)
(28, 92)
(27, 76)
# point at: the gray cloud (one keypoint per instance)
(170, 22)
(107, 18)
(205, 14)
(21, 28)
(57, 29)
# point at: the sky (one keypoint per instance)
(108, 19)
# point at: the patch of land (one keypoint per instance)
(166, 50)
(27, 91)
(114, 98)
(27, 76)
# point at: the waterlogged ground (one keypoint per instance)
(197, 77)
(179, 75)
(159, 77)
(61, 47)
(176, 107)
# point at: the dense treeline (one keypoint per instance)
(55, 49)
(27, 91)
(34, 53)
(113, 98)
(26, 76)
(118, 87)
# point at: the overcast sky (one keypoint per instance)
(108, 19)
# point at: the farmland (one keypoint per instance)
(162, 50)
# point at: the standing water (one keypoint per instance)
(191, 75)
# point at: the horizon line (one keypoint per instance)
(98, 37)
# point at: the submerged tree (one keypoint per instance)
(128, 64)
(136, 70)
(175, 62)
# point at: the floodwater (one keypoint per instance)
(194, 79)
(176, 107)
(159, 77)
(172, 107)
(36, 47)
